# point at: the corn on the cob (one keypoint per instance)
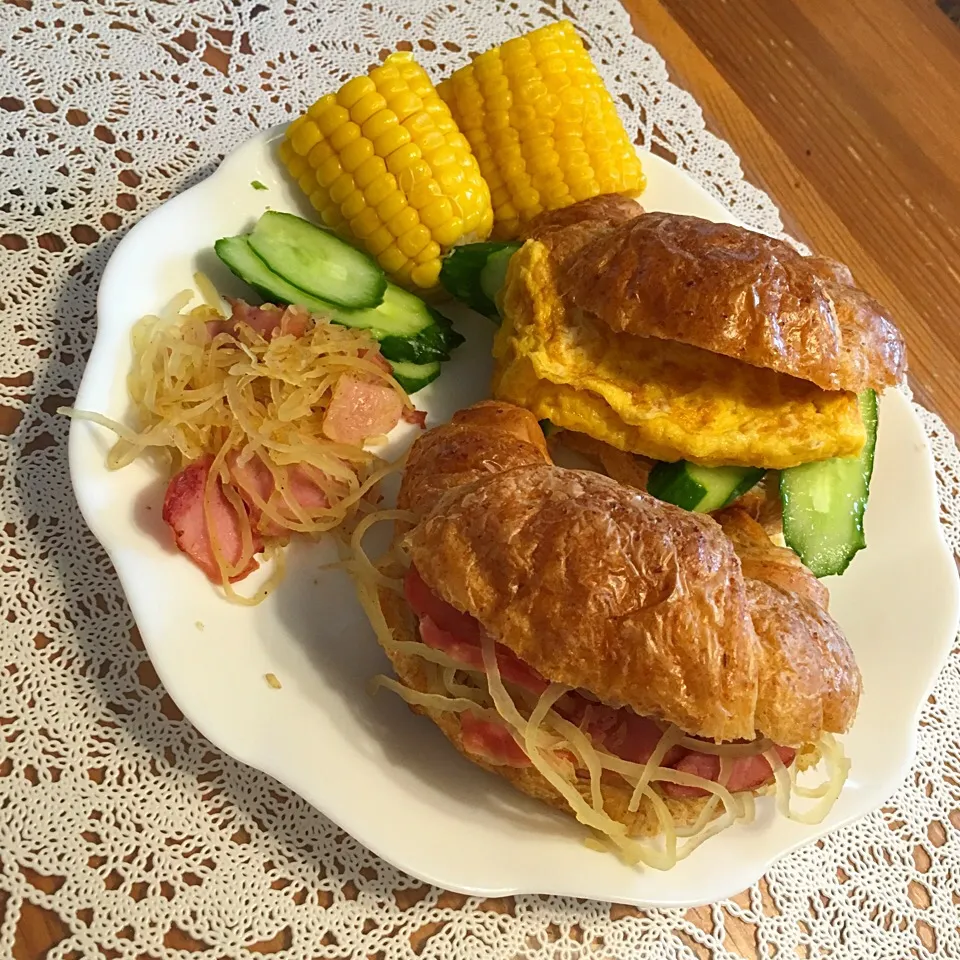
(384, 164)
(542, 126)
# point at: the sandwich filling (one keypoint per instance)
(511, 716)
(618, 731)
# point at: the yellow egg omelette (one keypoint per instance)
(659, 398)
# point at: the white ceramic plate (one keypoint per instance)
(385, 775)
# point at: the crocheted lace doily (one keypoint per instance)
(140, 826)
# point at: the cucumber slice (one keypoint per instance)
(460, 274)
(317, 261)
(703, 489)
(824, 503)
(414, 376)
(408, 330)
(432, 343)
(494, 273)
(238, 255)
(401, 314)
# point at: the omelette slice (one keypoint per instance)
(660, 398)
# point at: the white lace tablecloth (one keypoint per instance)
(141, 827)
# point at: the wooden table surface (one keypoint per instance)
(846, 113)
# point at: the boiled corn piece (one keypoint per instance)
(542, 126)
(384, 164)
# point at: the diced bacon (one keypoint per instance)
(183, 511)
(359, 409)
(263, 320)
(294, 321)
(415, 416)
(255, 480)
(376, 357)
(305, 489)
(216, 327)
(491, 741)
(746, 773)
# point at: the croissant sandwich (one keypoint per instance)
(645, 668)
(682, 339)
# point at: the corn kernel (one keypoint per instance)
(391, 259)
(379, 240)
(403, 221)
(391, 140)
(331, 118)
(352, 91)
(404, 103)
(356, 153)
(321, 105)
(365, 223)
(436, 213)
(341, 188)
(424, 192)
(322, 151)
(305, 138)
(391, 205)
(384, 186)
(404, 275)
(328, 171)
(414, 239)
(369, 104)
(448, 233)
(430, 252)
(344, 135)
(379, 124)
(384, 73)
(353, 205)
(402, 158)
(306, 182)
(425, 274)
(369, 170)
(332, 216)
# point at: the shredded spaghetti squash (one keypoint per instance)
(260, 416)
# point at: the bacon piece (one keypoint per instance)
(294, 321)
(263, 320)
(375, 356)
(183, 511)
(425, 603)
(491, 741)
(512, 669)
(359, 409)
(415, 416)
(254, 479)
(746, 773)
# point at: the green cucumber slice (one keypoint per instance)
(415, 376)
(824, 503)
(408, 329)
(494, 273)
(462, 269)
(317, 261)
(703, 489)
(238, 255)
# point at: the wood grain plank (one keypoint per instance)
(839, 89)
